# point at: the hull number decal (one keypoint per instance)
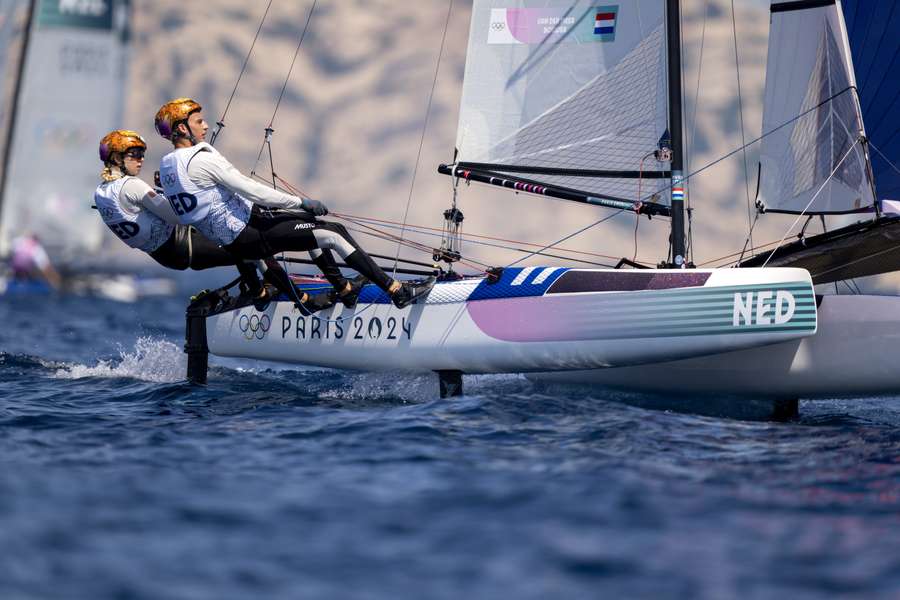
(763, 308)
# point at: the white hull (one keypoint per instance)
(852, 354)
(536, 320)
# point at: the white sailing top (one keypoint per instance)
(121, 204)
(208, 192)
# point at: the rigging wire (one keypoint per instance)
(811, 200)
(435, 232)
(467, 237)
(568, 237)
(412, 183)
(220, 124)
(693, 127)
(269, 129)
(504, 247)
(693, 136)
(737, 65)
(763, 136)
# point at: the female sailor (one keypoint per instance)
(206, 191)
(144, 220)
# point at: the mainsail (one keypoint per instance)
(70, 95)
(572, 96)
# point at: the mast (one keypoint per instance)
(14, 108)
(673, 34)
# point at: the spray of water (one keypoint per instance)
(151, 359)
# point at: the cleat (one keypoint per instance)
(350, 298)
(410, 293)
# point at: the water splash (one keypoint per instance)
(155, 360)
(406, 387)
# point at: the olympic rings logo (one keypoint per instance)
(498, 26)
(254, 326)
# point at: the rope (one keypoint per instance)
(424, 129)
(737, 66)
(811, 200)
(221, 122)
(509, 248)
(467, 236)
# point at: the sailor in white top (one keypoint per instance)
(206, 191)
(145, 220)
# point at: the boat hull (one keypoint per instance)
(853, 354)
(535, 319)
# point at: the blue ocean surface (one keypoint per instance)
(119, 480)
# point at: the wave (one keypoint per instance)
(156, 360)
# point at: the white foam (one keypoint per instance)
(154, 360)
(407, 387)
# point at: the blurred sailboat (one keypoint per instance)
(68, 90)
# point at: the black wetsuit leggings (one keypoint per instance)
(186, 248)
(270, 232)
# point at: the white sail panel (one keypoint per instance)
(812, 160)
(71, 95)
(574, 85)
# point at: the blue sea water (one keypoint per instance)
(118, 480)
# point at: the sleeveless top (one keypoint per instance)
(142, 230)
(216, 211)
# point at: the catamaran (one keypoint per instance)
(582, 102)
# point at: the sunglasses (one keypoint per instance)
(135, 153)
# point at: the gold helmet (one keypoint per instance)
(172, 113)
(120, 140)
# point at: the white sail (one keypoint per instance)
(813, 161)
(71, 95)
(578, 85)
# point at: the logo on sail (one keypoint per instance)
(538, 25)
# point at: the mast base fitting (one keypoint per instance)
(494, 274)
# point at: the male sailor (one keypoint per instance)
(144, 220)
(206, 191)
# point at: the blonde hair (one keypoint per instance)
(111, 172)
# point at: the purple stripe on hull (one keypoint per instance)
(534, 319)
(624, 281)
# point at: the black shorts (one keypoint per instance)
(187, 248)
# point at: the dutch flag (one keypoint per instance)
(605, 23)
